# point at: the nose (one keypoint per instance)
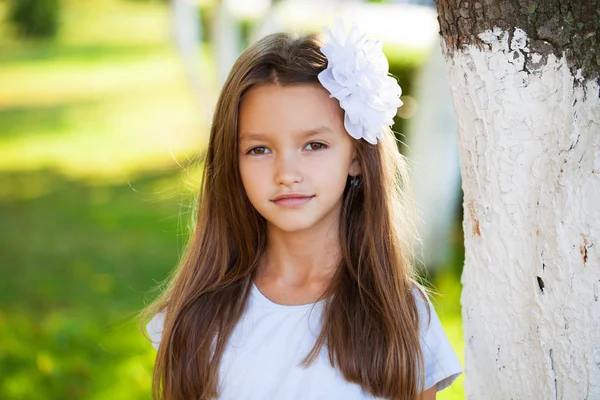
(288, 169)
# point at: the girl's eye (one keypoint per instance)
(315, 146)
(258, 150)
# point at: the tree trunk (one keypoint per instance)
(524, 81)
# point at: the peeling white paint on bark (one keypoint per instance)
(529, 140)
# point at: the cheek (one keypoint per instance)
(336, 165)
(330, 175)
(251, 179)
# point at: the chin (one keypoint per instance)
(292, 225)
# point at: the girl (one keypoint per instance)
(297, 282)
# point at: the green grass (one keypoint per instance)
(77, 262)
(93, 203)
(105, 100)
(94, 206)
(447, 305)
(103, 118)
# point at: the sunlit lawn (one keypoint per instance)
(94, 207)
(92, 203)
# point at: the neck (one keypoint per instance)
(301, 258)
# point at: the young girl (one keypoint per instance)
(298, 282)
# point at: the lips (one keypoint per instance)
(291, 199)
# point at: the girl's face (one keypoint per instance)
(294, 155)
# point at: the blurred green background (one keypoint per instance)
(99, 131)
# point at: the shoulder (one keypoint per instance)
(154, 328)
(442, 366)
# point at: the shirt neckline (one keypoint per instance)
(265, 301)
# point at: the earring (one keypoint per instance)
(355, 181)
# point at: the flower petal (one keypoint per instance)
(357, 75)
(355, 130)
(339, 32)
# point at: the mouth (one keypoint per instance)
(291, 200)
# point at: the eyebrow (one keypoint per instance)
(305, 134)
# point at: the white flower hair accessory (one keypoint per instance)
(357, 75)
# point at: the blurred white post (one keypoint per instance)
(226, 39)
(433, 151)
(186, 35)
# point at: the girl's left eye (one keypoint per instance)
(315, 146)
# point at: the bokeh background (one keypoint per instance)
(104, 112)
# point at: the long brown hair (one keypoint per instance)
(370, 320)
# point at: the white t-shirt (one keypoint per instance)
(263, 356)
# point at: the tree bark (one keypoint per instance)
(524, 77)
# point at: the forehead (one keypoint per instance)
(272, 108)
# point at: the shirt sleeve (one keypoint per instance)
(155, 328)
(442, 366)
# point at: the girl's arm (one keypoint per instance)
(429, 394)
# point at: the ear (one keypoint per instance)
(354, 169)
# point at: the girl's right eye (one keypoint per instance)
(259, 150)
